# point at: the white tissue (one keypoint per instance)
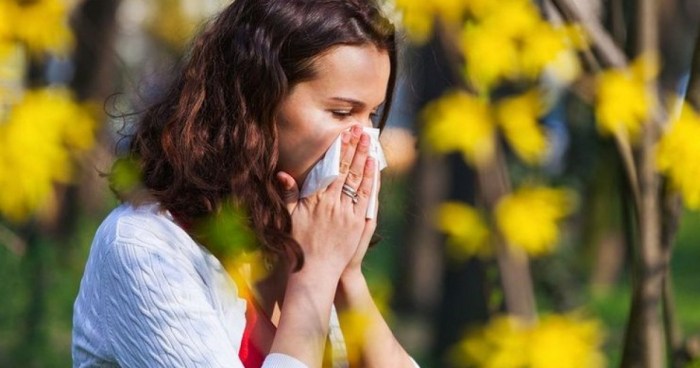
(328, 169)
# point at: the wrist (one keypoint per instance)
(352, 292)
(352, 277)
(321, 270)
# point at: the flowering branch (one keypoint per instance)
(513, 263)
(644, 344)
(609, 52)
(494, 184)
(611, 55)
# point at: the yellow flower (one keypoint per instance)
(678, 156)
(564, 69)
(481, 9)
(8, 13)
(512, 18)
(467, 231)
(561, 341)
(518, 117)
(490, 55)
(418, 16)
(500, 344)
(13, 65)
(623, 102)
(566, 341)
(459, 121)
(42, 135)
(55, 107)
(246, 268)
(43, 25)
(355, 325)
(529, 218)
(542, 45)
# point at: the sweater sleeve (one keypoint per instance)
(158, 314)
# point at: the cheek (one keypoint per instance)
(304, 138)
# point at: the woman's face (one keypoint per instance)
(349, 86)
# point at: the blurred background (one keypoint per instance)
(540, 204)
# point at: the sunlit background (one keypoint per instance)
(540, 208)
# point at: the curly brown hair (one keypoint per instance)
(212, 138)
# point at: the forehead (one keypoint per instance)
(359, 72)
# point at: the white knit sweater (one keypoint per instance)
(152, 297)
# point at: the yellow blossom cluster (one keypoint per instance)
(623, 102)
(461, 122)
(529, 218)
(418, 16)
(355, 324)
(38, 143)
(561, 341)
(678, 156)
(501, 40)
(467, 232)
(41, 25)
(518, 118)
(508, 39)
(246, 268)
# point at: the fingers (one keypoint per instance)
(357, 168)
(349, 146)
(290, 190)
(364, 191)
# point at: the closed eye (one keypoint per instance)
(341, 114)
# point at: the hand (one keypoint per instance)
(354, 267)
(327, 225)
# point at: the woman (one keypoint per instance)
(268, 86)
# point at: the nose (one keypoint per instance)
(366, 123)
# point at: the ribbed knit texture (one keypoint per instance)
(152, 297)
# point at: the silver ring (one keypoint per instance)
(348, 191)
(351, 192)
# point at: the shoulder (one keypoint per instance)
(146, 226)
(143, 245)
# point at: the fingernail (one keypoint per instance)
(356, 131)
(364, 139)
(370, 163)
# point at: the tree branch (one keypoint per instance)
(610, 53)
(513, 264)
(644, 346)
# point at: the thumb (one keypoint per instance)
(290, 190)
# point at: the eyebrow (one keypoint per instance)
(355, 103)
